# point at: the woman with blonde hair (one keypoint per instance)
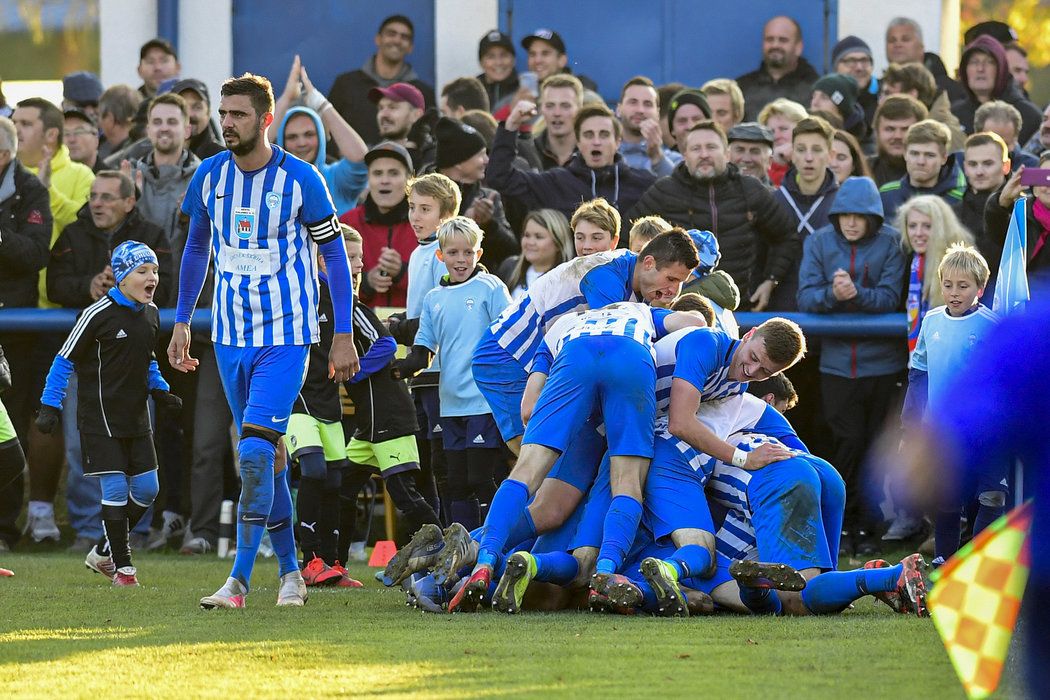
(927, 226)
(545, 243)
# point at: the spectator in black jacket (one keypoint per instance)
(986, 164)
(707, 192)
(79, 273)
(498, 76)
(904, 44)
(893, 118)
(349, 93)
(25, 232)
(783, 73)
(985, 73)
(596, 170)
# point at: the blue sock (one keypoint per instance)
(691, 561)
(506, 508)
(709, 584)
(649, 602)
(621, 525)
(523, 529)
(279, 525)
(256, 459)
(760, 601)
(833, 591)
(556, 567)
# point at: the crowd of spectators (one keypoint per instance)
(826, 193)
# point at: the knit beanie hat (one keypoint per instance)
(847, 45)
(456, 142)
(128, 256)
(842, 89)
(707, 250)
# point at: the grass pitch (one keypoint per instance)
(64, 632)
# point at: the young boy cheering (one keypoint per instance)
(111, 349)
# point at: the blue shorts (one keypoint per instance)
(578, 464)
(674, 489)
(261, 384)
(611, 374)
(501, 380)
(466, 432)
(784, 499)
(428, 410)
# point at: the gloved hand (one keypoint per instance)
(47, 418)
(166, 399)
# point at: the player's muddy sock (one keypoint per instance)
(760, 601)
(832, 592)
(692, 561)
(556, 567)
(279, 525)
(621, 525)
(507, 506)
(946, 532)
(255, 457)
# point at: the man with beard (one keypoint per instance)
(642, 146)
(399, 116)
(893, 118)
(783, 73)
(1041, 140)
(266, 239)
(706, 192)
(387, 66)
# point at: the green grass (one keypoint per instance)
(65, 632)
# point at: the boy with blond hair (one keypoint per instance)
(644, 230)
(455, 317)
(948, 337)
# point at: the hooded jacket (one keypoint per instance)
(760, 89)
(950, 186)
(565, 188)
(1005, 89)
(875, 263)
(346, 179)
(349, 96)
(745, 217)
(25, 235)
(83, 250)
(816, 206)
(378, 231)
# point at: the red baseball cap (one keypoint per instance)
(399, 92)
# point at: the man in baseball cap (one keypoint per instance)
(398, 107)
(498, 75)
(547, 56)
(81, 91)
(204, 141)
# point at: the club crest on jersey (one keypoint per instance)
(470, 303)
(244, 222)
(273, 200)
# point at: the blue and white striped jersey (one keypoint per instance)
(702, 357)
(590, 282)
(640, 322)
(266, 226)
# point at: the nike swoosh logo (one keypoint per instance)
(275, 419)
(221, 196)
(252, 520)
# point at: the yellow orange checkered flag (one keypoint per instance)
(977, 596)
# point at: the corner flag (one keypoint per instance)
(977, 596)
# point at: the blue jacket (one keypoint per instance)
(875, 263)
(346, 179)
(951, 186)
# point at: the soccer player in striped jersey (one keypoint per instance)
(598, 360)
(263, 214)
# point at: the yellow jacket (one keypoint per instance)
(69, 191)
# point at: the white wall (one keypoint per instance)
(124, 26)
(206, 42)
(869, 20)
(456, 40)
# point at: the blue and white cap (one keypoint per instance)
(129, 255)
(707, 250)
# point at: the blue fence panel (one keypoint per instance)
(331, 37)
(668, 40)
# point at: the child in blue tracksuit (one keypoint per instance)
(454, 317)
(948, 337)
(854, 265)
(111, 349)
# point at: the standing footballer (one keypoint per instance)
(263, 212)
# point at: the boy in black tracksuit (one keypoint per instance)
(384, 414)
(111, 349)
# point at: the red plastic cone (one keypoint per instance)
(384, 551)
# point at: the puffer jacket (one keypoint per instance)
(25, 235)
(876, 265)
(565, 188)
(1005, 89)
(744, 216)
